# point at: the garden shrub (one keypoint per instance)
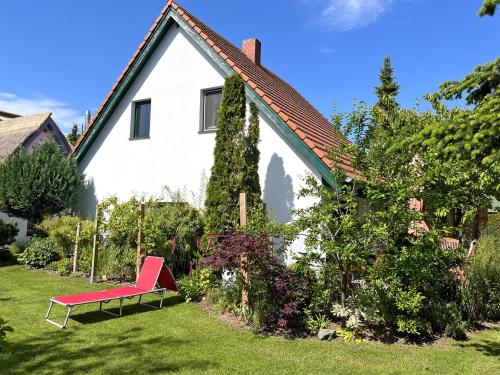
(481, 291)
(63, 266)
(85, 260)
(116, 262)
(167, 226)
(447, 318)
(408, 282)
(284, 291)
(17, 248)
(226, 297)
(315, 322)
(62, 231)
(8, 232)
(165, 223)
(40, 252)
(194, 286)
(5, 254)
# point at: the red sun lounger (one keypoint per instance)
(154, 277)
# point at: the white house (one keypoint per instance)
(156, 128)
(27, 132)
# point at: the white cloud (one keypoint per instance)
(62, 113)
(343, 15)
(326, 50)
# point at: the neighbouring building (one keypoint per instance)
(26, 132)
(7, 115)
(157, 126)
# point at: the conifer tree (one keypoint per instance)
(228, 171)
(382, 127)
(388, 89)
(74, 135)
(38, 184)
(252, 157)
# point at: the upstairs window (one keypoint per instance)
(210, 106)
(141, 118)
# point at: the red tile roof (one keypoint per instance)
(300, 116)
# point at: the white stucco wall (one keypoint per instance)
(176, 154)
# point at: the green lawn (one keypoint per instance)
(182, 338)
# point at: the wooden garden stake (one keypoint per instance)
(95, 246)
(77, 246)
(244, 258)
(140, 239)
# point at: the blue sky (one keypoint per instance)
(64, 56)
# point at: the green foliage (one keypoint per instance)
(411, 272)
(315, 322)
(117, 262)
(488, 8)
(17, 248)
(252, 157)
(348, 335)
(481, 292)
(5, 254)
(227, 298)
(63, 266)
(62, 230)
(43, 183)
(4, 328)
(388, 89)
(75, 134)
(39, 253)
(8, 233)
(334, 224)
(228, 171)
(194, 286)
(447, 318)
(470, 135)
(410, 281)
(164, 223)
(350, 315)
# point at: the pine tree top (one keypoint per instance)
(388, 88)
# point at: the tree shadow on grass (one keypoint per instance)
(124, 352)
(487, 347)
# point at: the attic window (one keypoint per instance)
(141, 117)
(211, 99)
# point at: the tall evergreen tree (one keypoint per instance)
(252, 156)
(228, 172)
(388, 89)
(382, 128)
(75, 134)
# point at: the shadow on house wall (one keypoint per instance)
(88, 200)
(278, 190)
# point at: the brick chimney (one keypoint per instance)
(251, 48)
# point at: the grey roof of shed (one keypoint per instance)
(14, 132)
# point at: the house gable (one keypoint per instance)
(299, 140)
(27, 131)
